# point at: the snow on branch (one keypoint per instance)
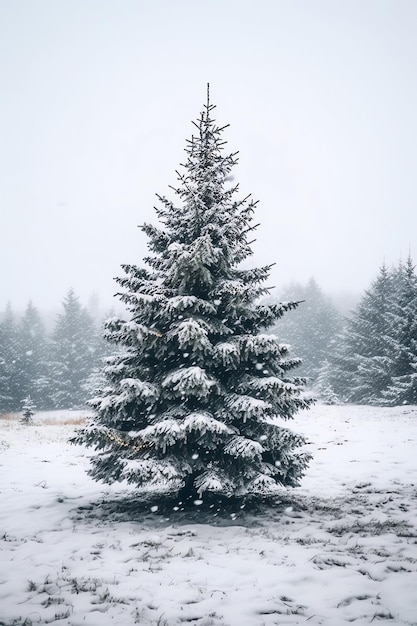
(147, 472)
(227, 354)
(189, 381)
(135, 388)
(179, 304)
(232, 289)
(242, 447)
(213, 481)
(263, 485)
(269, 314)
(128, 333)
(254, 345)
(203, 422)
(191, 334)
(247, 407)
(163, 434)
(267, 385)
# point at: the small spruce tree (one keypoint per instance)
(72, 354)
(359, 369)
(189, 404)
(28, 411)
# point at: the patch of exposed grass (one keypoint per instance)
(70, 421)
(48, 421)
(10, 417)
(371, 528)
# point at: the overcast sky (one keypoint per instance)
(96, 102)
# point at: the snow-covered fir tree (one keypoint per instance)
(28, 411)
(194, 402)
(375, 359)
(31, 362)
(359, 369)
(9, 357)
(312, 328)
(323, 389)
(403, 385)
(72, 354)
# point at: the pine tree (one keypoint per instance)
(312, 328)
(9, 355)
(73, 354)
(190, 400)
(359, 370)
(96, 378)
(31, 362)
(322, 387)
(28, 411)
(403, 385)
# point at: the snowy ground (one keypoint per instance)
(342, 548)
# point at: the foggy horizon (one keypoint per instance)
(97, 105)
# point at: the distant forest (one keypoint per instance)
(365, 355)
(52, 369)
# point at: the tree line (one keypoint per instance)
(311, 328)
(52, 369)
(374, 359)
(368, 356)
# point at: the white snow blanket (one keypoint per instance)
(340, 549)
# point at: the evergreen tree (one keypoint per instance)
(311, 329)
(189, 402)
(403, 386)
(31, 362)
(96, 377)
(73, 354)
(359, 370)
(28, 411)
(9, 356)
(322, 386)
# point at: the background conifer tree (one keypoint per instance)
(31, 363)
(72, 354)
(189, 402)
(322, 387)
(360, 368)
(371, 337)
(311, 329)
(403, 385)
(9, 358)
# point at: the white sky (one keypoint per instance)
(96, 102)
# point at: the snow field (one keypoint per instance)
(340, 549)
